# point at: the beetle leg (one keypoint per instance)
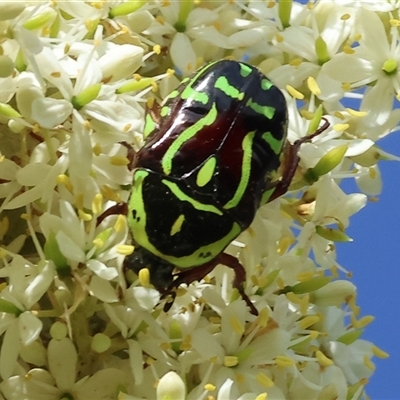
(292, 161)
(198, 273)
(119, 208)
(130, 155)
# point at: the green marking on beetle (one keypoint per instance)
(206, 172)
(181, 196)
(149, 126)
(173, 94)
(245, 70)
(202, 255)
(266, 84)
(186, 135)
(275, 144)
(177, 225)
(247, 146)
(267, 111)
(266, 195)
(189, 92)
(196, 94)
(164, 111)
(223, 84)
(137, 214)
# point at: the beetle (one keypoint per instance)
(212, 156)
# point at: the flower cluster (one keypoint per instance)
(75, 80)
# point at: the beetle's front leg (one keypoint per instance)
(116, 209)
(292, 161)
(198, 273)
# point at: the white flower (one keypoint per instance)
(376, 61)
(20, 326)
(76, 80)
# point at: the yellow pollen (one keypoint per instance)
(120, 223)
(263, 318)
(323, 359)
(160, 19)
(295, 62)
(97, 204)
(56, 74)
(313, 86)
(284, 361)
(395, 22)
(209, 387)
(280, 282)
(340, 127)
(339, 115)
(231, 361)
(119, 161)
(99, 243)
(170, 72)
(240, 378)
(308, 321)
(305, 276)
(356, 113)
(154, 86)
(262, 396)
(362, 322)
(186, 344)
(64, 180)
(84, 216)
(279, 38)
(109, 194)
(125, 249)
(294, 93)
(157, 49)
(214, 359)
(79, 201)
(314, 334)
(345, 17)
(127, 127)
(4, 226)
(26, 216)
(348, 49)
(284, 244)
(271, 4)
(165, 346)
(346, 86)
(264, 380)
(97, 149)
(86, 124)
(376, 351)
(368, 363)
(144, 277)
(236, 325)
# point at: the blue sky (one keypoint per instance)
(374, 259)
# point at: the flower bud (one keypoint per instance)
(334, 293)
(171, 387)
